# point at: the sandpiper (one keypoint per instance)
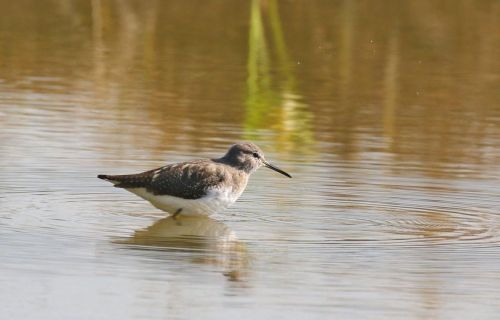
(197, 187)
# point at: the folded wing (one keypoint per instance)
(188, 180)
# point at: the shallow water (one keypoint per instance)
(387, 114)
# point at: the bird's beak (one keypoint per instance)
(270, 166)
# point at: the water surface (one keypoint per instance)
(387, 114)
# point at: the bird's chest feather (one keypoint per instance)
(223, 196)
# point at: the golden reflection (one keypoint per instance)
(201, 233)
(159, 75)
(272, 103)
(391, 87)
(346, 36)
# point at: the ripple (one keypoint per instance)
(393, 209)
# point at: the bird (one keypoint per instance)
(198, 187)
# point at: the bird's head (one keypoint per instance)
(248, 157)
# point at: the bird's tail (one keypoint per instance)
(140, 180)
(109, 178)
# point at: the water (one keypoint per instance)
(386, 114)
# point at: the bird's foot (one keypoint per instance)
(174, 216)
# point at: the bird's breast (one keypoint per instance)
(223, 196)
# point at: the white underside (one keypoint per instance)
(216, 200)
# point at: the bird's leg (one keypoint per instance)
(174, 216)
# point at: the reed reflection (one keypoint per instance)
(213, 242)
(272, 100)
(414, 75)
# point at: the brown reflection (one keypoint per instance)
(412, 71)
(391, 87)
(429, 290)
(214, 239)
(420, 76)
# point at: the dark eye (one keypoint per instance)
(255, 155)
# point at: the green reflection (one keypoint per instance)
(272, 101)
(417, 78)
(216, 242)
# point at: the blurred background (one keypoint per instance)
(386, 113)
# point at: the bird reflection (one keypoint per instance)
(213, 241)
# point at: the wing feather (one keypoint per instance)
(188, 180)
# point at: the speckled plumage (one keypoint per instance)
(200, 186)
(187, 180)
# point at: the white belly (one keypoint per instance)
(216, 200)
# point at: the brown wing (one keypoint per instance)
(188, 180)
(139, 180)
